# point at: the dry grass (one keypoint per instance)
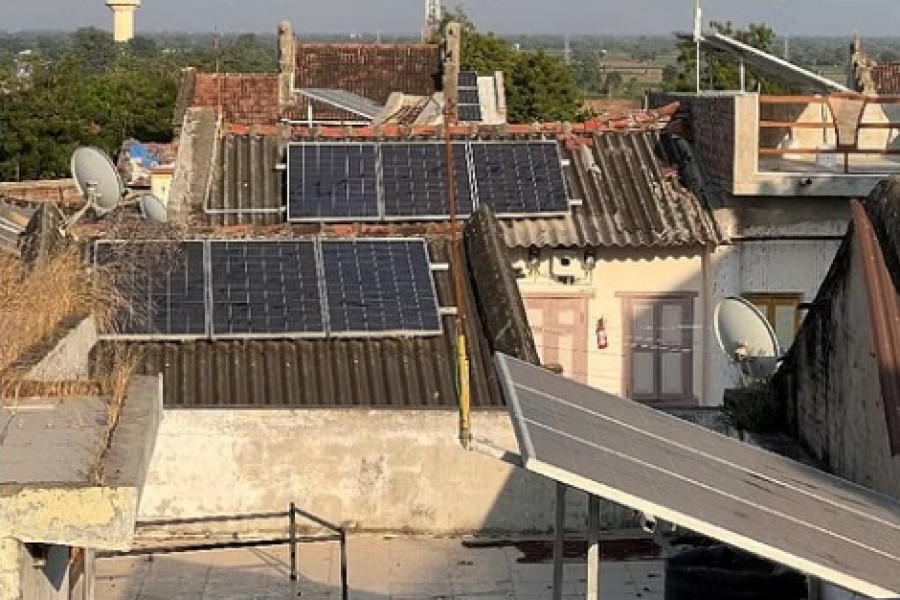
(33, 304)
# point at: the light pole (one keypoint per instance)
(698, 33)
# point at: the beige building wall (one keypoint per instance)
(619, 272)
(161, 183)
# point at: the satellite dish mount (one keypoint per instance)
(746, 337)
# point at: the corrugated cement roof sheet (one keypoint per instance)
(631, 196)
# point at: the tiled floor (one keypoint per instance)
(378, 569)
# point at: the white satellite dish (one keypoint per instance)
(152, 208)
(746, 337)
(97, 180)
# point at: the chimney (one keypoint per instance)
(452, 44)
(286, 63)
(123, 18)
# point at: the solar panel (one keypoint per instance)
(718, 486)
(467, 79)
(378, 286)
(333, 181)
(414, 176)
(469, 112)
(162, 284)
(520, 178)
(265, 288)
(469, 96)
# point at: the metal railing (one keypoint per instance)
(845, 133)
(335, 533)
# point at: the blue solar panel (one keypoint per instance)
(332, 181)
(470, 113)
(265, 288)
(162, 284)
(520, 178)
(414, 176)
(377, 286)
(469, 96)
(467, 79)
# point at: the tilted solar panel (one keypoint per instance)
(162, 285)
(470, 113)
(467, 79)
(377, 286)
(265, 288)
(414, 176)
(520, 178)
(332, 181)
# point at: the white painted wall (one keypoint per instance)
(624, 271)
(759, 267)
(396, 471)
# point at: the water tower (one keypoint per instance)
(123, 18)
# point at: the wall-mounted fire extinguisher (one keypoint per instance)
(602, 339)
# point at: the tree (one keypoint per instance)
(96, 48)
(539, 87)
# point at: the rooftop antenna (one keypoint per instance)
(747, 338)
(98, 182)
(698, 35)
(433, 15)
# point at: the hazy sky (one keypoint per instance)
(843, 17)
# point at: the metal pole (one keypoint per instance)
(593, 554)
(743, 74)
(292, 524)
(345, 590)
(559, 540)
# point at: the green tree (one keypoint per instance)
(539, 87)
(96, 49)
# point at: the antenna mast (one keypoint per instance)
(698, 35)
(433, 15)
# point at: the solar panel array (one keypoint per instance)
(284, 288)
(469, 102)
(398, 181)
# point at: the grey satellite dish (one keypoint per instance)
(746, 337)
(97, 178)
(152, 208)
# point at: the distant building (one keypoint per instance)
(123, 18)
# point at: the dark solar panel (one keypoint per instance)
(469, 112)
(469, 96)
(467, 79)
(332, 181)
(518, 178)
(162, 284)
(377, 286)
(265, 288)
(414, 176)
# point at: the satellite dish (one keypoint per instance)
(746, 337)
(152, 208)
(97, 178)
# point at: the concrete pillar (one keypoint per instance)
(10, 569)
(500, 88)
(593, 553)
(123, 18)
(452, 61)
(286, 63)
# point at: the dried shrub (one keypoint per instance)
(34, 303)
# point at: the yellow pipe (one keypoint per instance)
(462, 364)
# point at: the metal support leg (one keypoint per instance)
(559, 540)
(593, 553)
(89, 573)
(292, 525)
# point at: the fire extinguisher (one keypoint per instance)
(602, 339)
